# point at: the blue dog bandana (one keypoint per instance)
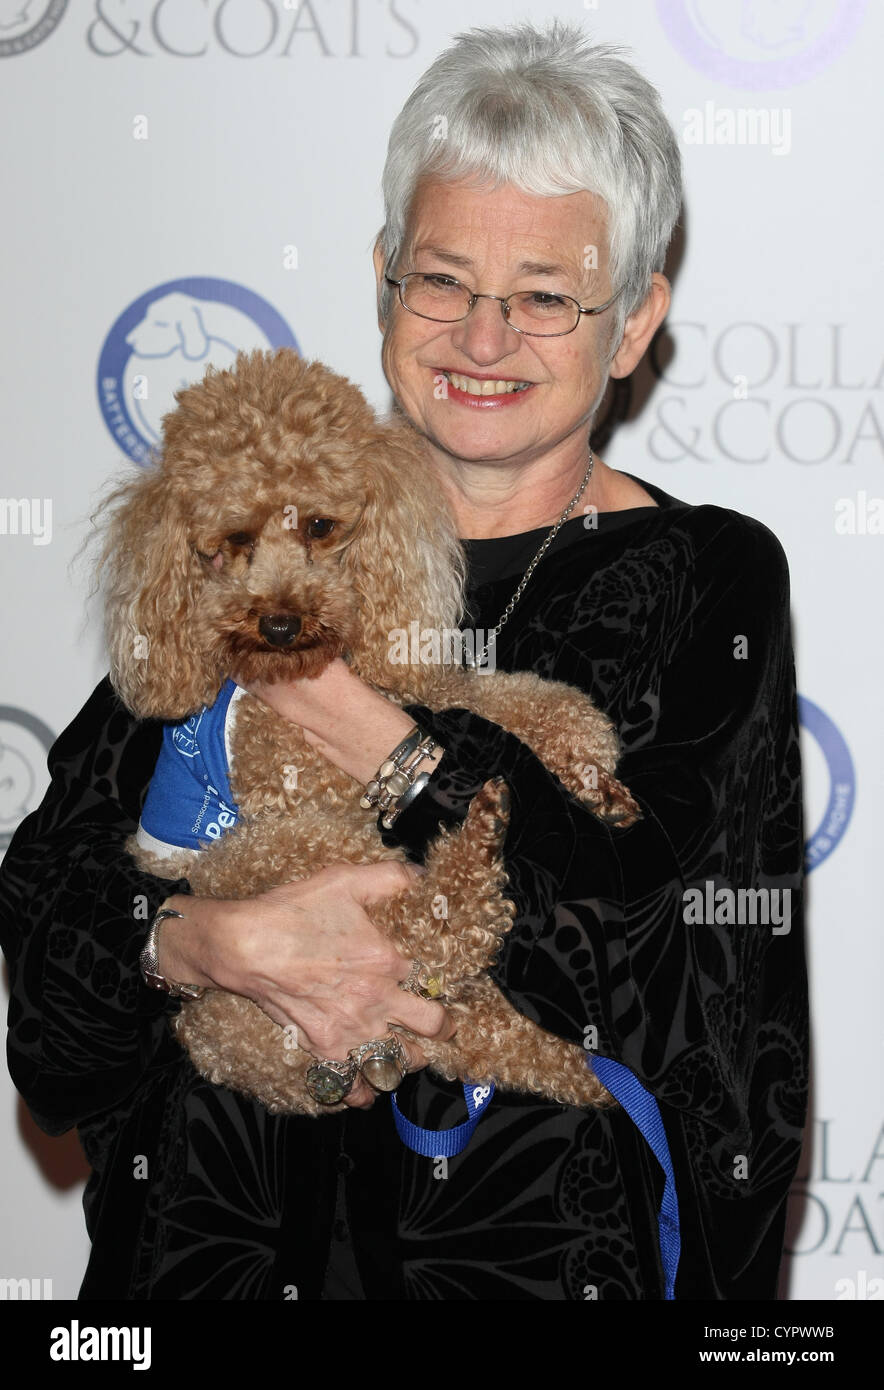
(189, 802)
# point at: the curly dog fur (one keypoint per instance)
(229, 529)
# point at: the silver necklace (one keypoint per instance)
(478, 659)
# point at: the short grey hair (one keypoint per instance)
(551, 113)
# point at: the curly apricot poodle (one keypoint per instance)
(284, 525)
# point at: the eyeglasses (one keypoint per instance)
(536, 313)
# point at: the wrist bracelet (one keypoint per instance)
(396, 782)
(410, 794)
(150, 965)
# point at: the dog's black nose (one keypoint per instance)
(279, 630)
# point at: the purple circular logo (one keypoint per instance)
(756, 44)
(165, 340)
(842, 782)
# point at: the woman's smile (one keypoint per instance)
(478, 391)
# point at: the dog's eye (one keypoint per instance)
(319, 526)
(239, 538)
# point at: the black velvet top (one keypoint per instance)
(675, 620)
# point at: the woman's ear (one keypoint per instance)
(152, 577)
(379, 267)
(641, 326)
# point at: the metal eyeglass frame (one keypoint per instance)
(504, 304)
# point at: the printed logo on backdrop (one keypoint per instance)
(756, 44)
(840, 791)
(751, 391)
(165, 340)
(254, 29)
(25, 23)
(836, 1202)
(24, 742)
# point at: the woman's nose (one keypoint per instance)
(484, 335)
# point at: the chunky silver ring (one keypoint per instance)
(329, 1081)
(382, 1062)
(421, 982)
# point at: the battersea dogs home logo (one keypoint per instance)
(24, 742)
(840, 788)
(26, 23)
(760, 44)
(165, 340)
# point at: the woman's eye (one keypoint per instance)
(441, 282)
(319, 526)
(239, 538)
(542, 300)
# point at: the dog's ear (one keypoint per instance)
(405, 557)
(152, 578)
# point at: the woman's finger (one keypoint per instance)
(361, 1096)
(426, 1017)
(371, 883)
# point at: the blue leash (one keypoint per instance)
(640, 1106)
(444, 1143)
(643, 1110)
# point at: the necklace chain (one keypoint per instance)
(507, 612)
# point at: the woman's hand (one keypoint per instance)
(308, 954)
(348, 721)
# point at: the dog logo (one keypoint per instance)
(165, 340)
(757, 46)
(24, 742)
(184, 736)
(25, 23)
(841, 790)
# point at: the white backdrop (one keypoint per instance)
(185, 179)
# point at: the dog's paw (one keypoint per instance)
(489, 811)
(609, 799)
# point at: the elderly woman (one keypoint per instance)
(531, 188)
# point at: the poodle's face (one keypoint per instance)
(276, 601)
(283, 526)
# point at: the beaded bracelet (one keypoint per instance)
(396, 782)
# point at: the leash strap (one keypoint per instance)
(640, 1106)
(643, 1110)
(444, 1143)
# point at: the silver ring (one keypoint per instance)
(328, 1081)
(382, 1062)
